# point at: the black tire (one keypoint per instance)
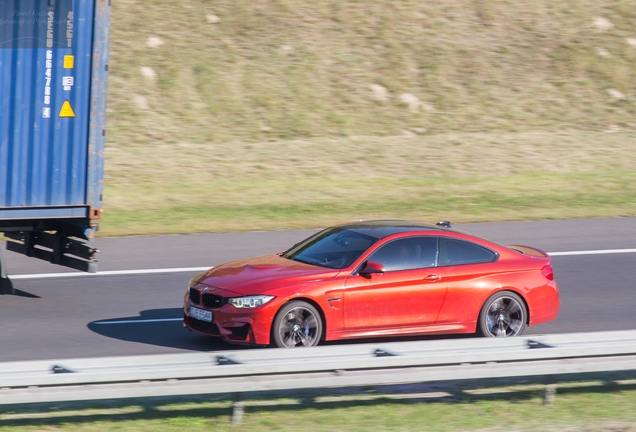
(297, 324)
(503, 315)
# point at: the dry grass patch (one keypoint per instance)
(265, 70)
(307, 183)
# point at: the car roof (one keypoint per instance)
(381, 228)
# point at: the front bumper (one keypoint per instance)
(247, 326)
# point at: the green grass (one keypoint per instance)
(579, 406)
(292, 114)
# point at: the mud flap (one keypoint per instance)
(6, 287)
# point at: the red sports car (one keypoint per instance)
(375, 278)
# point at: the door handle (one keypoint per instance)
(433, 277)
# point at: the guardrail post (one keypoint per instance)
(550, 390)
(237, 409)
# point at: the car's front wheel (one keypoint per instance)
(297, 324)
(503, 315)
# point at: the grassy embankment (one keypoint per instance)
(269, 114)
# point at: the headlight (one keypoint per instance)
(249, 301)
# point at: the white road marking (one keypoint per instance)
(593, 252)
(109, 273)
(138, 321)
(200, 269)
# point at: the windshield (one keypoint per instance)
(334, 248)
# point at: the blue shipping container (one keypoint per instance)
(53, 81)
(53, 68)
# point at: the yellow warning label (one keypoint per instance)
(69, 61)
(67, 110)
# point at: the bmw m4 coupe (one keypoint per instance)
(375, 278)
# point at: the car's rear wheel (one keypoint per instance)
(503, 315)
(297, 324)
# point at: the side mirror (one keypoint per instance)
(371, 267)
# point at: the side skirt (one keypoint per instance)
(403, 331)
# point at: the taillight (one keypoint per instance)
(548, 272)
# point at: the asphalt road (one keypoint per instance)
(89, 316)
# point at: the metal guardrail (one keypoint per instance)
(320, 367)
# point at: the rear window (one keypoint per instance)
(457, 252)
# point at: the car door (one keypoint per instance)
(472, 272)
(409, 293)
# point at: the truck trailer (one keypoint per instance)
(53, 80)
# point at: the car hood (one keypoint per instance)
(261, 274)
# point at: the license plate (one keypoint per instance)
(200, 314)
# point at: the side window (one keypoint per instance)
(456, 252)
(407, 254)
